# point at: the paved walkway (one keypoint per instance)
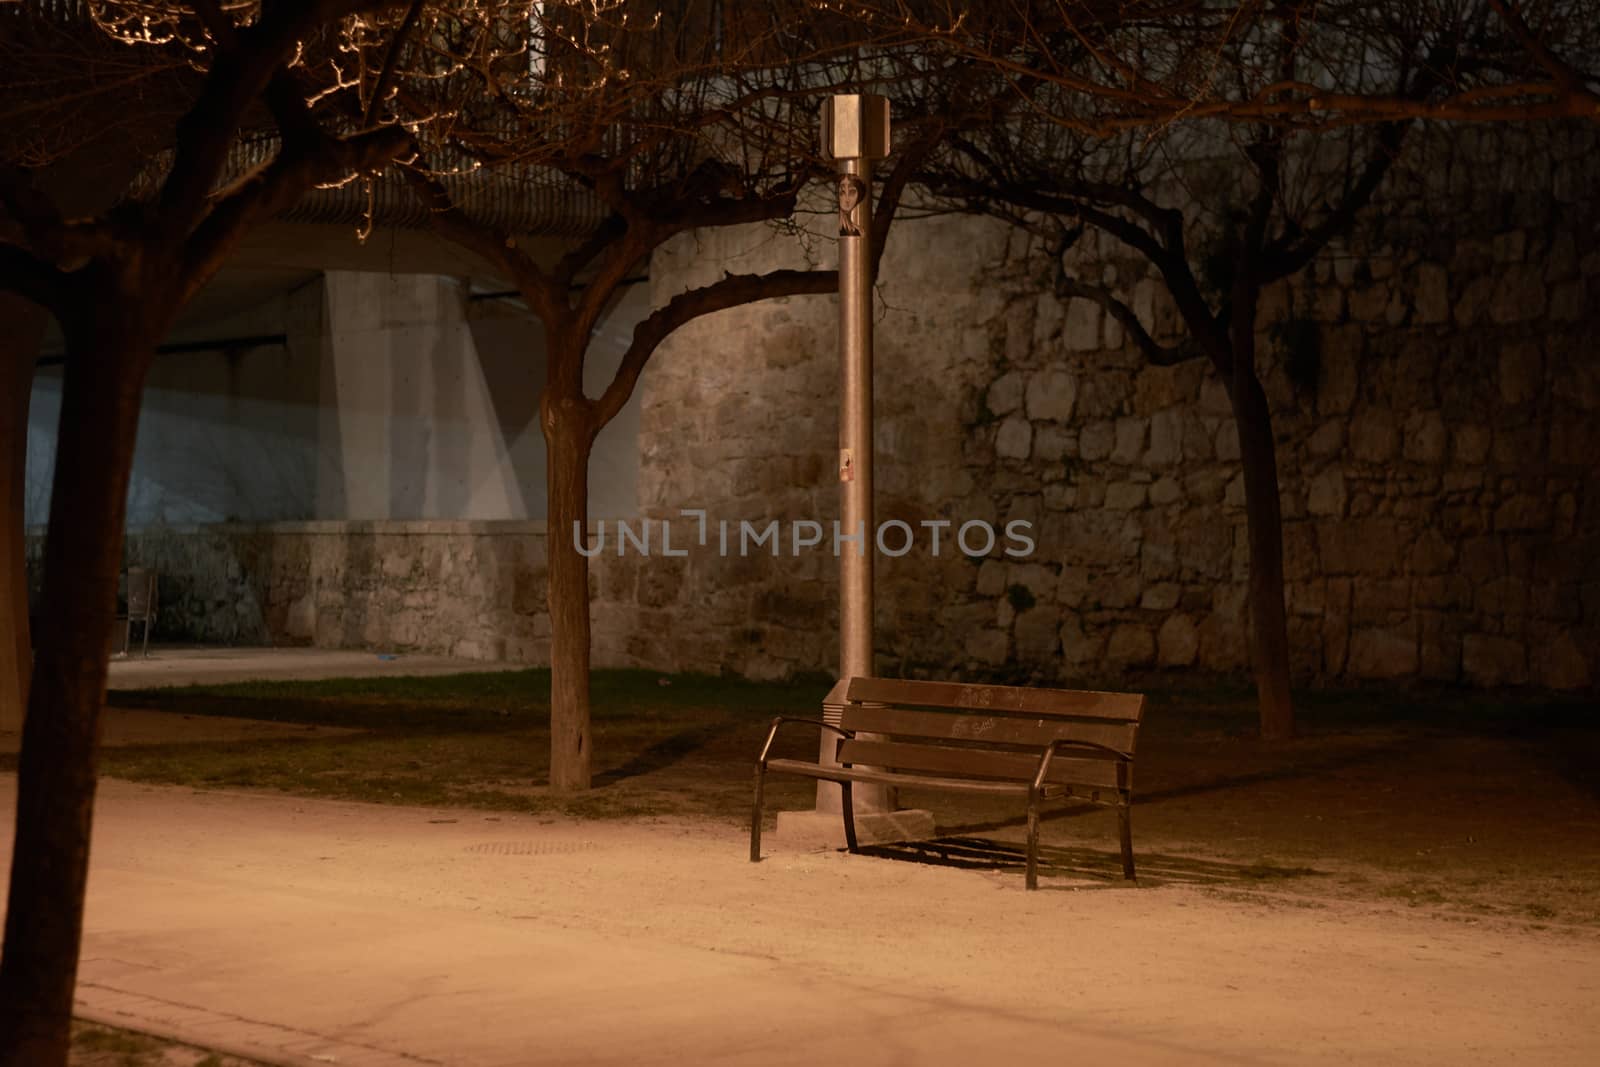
(210, 665)
(305, 932)
(169, 666)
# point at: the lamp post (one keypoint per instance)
(855, 133)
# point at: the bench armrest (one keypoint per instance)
(1058, 745)
(781, 719)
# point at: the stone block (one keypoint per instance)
(1432, 301)
(1439, 647)
(1472, 444)
(1051, 395)
(1224, 643)
(1072, 586)
(1559, 661)
(1509, 247)
(1081, 331)
(1078, 647)
(1047, 321)
(1523, 512)
(1014, 439)
(1131, 645)
(1177, 642)
(1165, 490)
(1431, 553)
(1131, 432)
(1125, 496)
(1052, 443)
(1491, 660)
(1519, 295)
(1374, 437)
(1378, 600)
(1096, 439)
(1383, 653)
(1521, 373)
(1005, 393)
(1370, 303)
(1425, 437)
(987, 647)
(1360, 546)
(1226, 442)
(1037, 634)
(1162, 596)
(1327, 439)
(1568, 302)
(1325, 495)
(1344, 349)
(1166, 439)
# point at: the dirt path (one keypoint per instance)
(299, 930)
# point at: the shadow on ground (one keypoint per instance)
(1103, 870)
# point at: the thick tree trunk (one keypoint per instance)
(21, 327)
(105, 372)
(1269, 626)
(569, 438)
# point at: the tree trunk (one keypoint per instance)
(569, 438)
(21, 327)
(1269, 627)
(105, 369)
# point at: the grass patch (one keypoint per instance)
(121, 1045)
(477, 740)
(94, 1045)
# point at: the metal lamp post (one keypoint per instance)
(855, 132)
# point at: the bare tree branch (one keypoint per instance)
(732, 291)
(1155, 352)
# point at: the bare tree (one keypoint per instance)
(703, 115)
(1257, 178)
(1143, 64)
(64, 121)
(115, 281)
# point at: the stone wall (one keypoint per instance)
(469, 589)
(1434, 384)
(1436, 397)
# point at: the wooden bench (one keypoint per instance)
(1033, 744)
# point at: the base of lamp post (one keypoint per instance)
(819, 831)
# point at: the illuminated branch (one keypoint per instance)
(734, 290)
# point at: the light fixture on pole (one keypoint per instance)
(855, 133)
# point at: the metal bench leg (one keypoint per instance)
(848, 804)
(755, 815)
(1032, 880)
(1125, 827)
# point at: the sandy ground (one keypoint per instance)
(312, 932)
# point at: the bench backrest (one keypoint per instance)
(989, 731)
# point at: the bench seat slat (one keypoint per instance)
(994, 729)
(1100, 773)
(920, 781)
(976, 699)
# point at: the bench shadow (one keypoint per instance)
(1103, 870)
